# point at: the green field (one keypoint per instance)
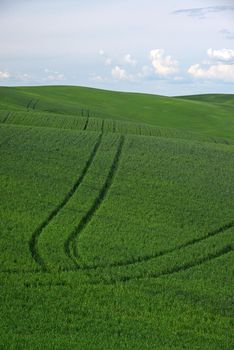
(117, 220)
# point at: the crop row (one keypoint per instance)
(40, 168)
(51, 120)
(57, 240)
(33, 241)
(157, 197)
(180, 260)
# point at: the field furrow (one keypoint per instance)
(116, 219)
(34, 239)
(86, 123)
(70, 246)
(35, 104)
(102, 126)
(29, 104)
(142, 259)
(188, 258)
(186, 266)
(51, 243)
(33, 117)
(7, 115)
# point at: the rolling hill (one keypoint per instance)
(116, 219)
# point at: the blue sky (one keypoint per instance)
(173, 47)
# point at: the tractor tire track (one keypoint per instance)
(70, 246)
(29, 104)
(86, 123)
(102, 127)
(6, 117)
(35, 104)
(33, 243)
(146, 258)
(183, 267)
(179, 268)
(114, 127)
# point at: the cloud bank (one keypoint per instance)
(221, 69)
(223, 54)
(223, 72)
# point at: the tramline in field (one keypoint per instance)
(115, 217)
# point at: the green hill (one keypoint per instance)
(116, 220)
(225, 99)
(186, 114)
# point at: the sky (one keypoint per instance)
(170, 47)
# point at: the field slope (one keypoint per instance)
(117, 220)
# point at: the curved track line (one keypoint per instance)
(35, 104)
(102, 127)
(227, 249)
(114, 126)
(180, 268)
(86, 123)
(170, 271)
(29, 104)
(33, 246)
(164, 252)
(70, 246)
(6, 117)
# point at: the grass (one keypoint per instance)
(116, 225)
(186, 114)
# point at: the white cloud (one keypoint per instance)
(119, 73)
(4, 75)
(221, 68)
(219, 71)
(163, 65)
(129, 60)
(223, 54)
(101, 52)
